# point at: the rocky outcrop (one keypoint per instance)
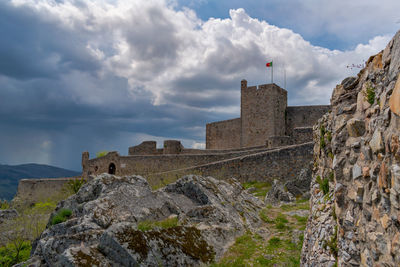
(119, 221)
(290, 190)
(355, 190)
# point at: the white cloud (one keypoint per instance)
(154, 47)
(141, 66)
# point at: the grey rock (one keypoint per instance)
(104, 231)
(376, 142)
(394, 66)
(357, 173)
(301, 184)
(355, 127)
(278, 194)
(349, 83)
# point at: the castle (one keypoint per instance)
(255, 147)
(265, 119)
(266, 122)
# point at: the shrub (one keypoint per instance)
(322, 137)
(332, 244)
(101, 153)
(323, 184)
(322, 130)
(322, 142)
(329, 136)
(75, 184)
(4, 204)
(61, 216)
(370, 94)
(10, 255)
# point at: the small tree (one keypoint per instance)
(16, 233)
(75, 184)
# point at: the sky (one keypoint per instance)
(93, 75)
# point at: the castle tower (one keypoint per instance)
(262, 113)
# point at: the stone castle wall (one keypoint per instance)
(265, 120)
(223, 134)
(355, 217)
(262, 113)
(303, 116)
(35, 190)
(145, 164)
(262, 166)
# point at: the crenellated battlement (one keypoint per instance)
(264, 119)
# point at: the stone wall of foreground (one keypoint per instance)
(355, 209)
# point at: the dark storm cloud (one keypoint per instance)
(86, 75)
(33, 48)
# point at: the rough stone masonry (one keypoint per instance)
(355, 190)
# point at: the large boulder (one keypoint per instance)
(300, 187)
(288, 191)
(108, 214)
(278, 194)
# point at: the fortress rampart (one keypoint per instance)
(34, 190)
(261, 166)
(269, 140)
(143, 164)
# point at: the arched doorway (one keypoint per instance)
(111, 168)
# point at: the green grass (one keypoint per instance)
(274, 242)
(262, 188)
(61, 216)
(276, 248)
(323, 184)
(9, 257)
(264, 216)
(299, 205)
(370, 94)
(281, 222)
(329, 136)
(164, 224)
(244, 248)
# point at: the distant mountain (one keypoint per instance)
(11, 174)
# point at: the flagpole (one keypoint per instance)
(272, 72)
(284, 75)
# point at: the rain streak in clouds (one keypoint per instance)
(104, 75)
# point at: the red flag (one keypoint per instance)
(269, 64)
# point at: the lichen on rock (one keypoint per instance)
(103, 230)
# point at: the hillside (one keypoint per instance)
(11, 174)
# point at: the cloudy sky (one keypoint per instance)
(95, 75)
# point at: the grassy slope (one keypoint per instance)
(277, 243)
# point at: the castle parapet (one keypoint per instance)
(145, 148)
(173, 147)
